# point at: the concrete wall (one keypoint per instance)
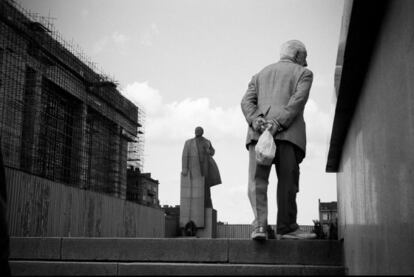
(376, 174)
(40, 207)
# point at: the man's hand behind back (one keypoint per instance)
(274, 126)
(259, 124)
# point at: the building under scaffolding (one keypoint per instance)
(59, 118)
(136, 147)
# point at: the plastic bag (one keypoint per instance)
(265, 148)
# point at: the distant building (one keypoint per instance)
(172, 210)
(141, 188)
(136, 145)
(328, 212)
(172, 218)
(149, 190)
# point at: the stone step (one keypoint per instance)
(178, 250)
(62, 268)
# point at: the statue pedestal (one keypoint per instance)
(192, 201)
(210, 224)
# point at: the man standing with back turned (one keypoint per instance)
(276, 98)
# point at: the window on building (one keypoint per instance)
(26, 157)
(101, 137)
(56, 133)
(12, 76)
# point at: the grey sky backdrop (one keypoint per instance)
(188, 62)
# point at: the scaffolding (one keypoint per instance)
(136, 147)
(38, 23)
(61, 118)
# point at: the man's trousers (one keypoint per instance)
(287, 160)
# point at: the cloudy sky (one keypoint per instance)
(188, 62)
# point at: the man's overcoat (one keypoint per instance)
(197, 159)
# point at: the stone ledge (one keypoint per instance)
(306, 252)
(225, 269)
(159, 250)
(237, 251)
(35, 248)
(54, 268)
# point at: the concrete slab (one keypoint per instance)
(48, 268)
(151, 269)
(35, 248)
(136, 249)
(304, 252)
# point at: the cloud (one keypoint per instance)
(141, 94)
(176, 121)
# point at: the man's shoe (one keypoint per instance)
(259, 234)
(299, 234)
